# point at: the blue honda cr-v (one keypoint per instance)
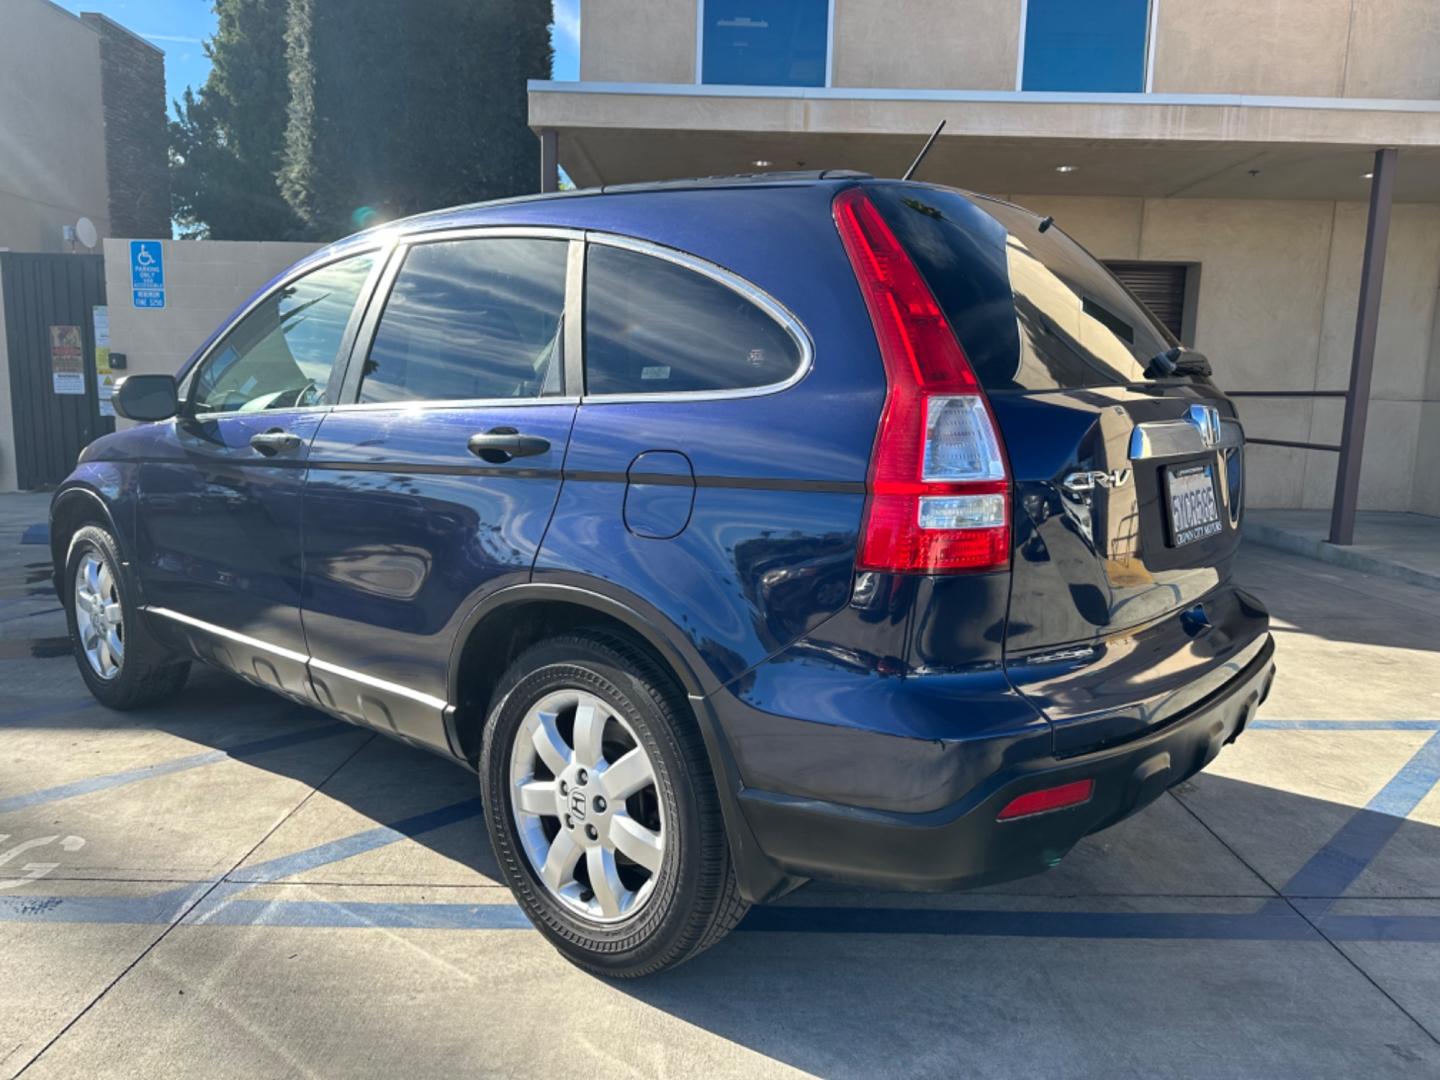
(736, 532)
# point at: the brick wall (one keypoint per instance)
(132, 92)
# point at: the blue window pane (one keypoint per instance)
(765, 42)
(1096, 45)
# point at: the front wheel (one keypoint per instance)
(122, 665)
(602, 809)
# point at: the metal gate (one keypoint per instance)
(44, 292)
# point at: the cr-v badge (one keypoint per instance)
(1080, 482)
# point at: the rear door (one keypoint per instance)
(433, 484)
(1127, 487)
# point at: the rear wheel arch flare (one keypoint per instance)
(504, 625)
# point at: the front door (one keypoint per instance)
(220, 491)
(435, 485)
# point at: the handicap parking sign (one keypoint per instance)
(147, 273)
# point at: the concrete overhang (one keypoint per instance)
(1197, 146)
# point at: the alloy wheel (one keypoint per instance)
(583, 791)
(99, 618)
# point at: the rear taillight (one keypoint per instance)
(939, 489)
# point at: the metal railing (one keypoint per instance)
(1333, 448)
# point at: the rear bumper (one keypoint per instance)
(962, 845)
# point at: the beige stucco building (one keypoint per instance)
(1228, 144)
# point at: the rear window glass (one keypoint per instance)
(653, 326)
(1070, 323)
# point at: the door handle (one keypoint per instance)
(499, 445)
(275, 441)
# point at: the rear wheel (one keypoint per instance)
(122, 665)
(601, 806)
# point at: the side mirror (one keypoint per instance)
(146, 397)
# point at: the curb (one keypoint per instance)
(1351, 558)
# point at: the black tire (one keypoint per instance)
(148, 672)
(695, 899)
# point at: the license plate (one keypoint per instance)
(1194, 510)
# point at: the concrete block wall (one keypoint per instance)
(1313, 48)
(205, 281)
(1276, 311)
(52, 131)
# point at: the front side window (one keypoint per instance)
(470, 320)
(652, 326)
(1086, 45)
(279, 356)
(765, 42)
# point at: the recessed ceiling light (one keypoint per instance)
(761, 164)
(1367, 176)
(1064, 168)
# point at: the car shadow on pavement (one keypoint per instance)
(848, 982)
(222, 717)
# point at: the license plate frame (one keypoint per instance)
(1192, 503)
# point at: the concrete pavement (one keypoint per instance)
(231, 885)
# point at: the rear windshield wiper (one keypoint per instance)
(1178, 362)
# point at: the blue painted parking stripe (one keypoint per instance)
(164, 907)
(1344, 725)
(36, 534)
(1380, 927)
(1334, 868)
(1274, 921)
(311, 858)
(325, 913)
(166, 768)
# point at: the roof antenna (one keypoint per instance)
(923, 151)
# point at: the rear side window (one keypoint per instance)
(471, 319)
(655, 327)
(1070, 323)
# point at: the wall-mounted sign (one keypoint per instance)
(147, 273)
(67, 364)
(104, 377)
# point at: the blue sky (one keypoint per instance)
(180, 26)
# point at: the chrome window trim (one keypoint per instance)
(490, 232)
(298, 657)
(752, 293)
(382, 251)
(395, 265)
(430, 405)
(572, 380)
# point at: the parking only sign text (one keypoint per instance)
(147, 273)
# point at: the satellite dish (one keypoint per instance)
(85, 232)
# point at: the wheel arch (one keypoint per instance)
(530, 612)
(71, 510)
(520, 615)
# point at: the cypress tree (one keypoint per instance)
(226, 142)
(398, 107)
